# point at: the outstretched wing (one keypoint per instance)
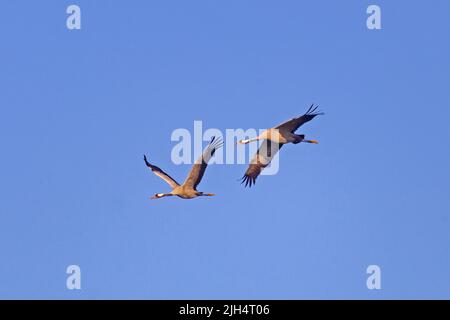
(199, 167)
(262, 158)
(295, 123)
(171, 181)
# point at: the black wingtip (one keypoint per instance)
(249, 181)
(215, 144)
(244, 179)
(148, 163)
(312, 111)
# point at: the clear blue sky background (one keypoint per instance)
(79, 108)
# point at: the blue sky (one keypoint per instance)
(79, 108)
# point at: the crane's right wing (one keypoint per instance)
(199, 167)
(262, 158)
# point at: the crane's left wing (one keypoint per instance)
(262, 158)
(199, 167)
(160, 173)
(295, 123)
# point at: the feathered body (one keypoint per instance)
(188, 190)
(273, 139)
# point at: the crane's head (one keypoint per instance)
(243, 141)
(159, 195)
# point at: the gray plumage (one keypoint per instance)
(273, 139)
(188, 190)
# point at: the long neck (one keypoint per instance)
(245, 141)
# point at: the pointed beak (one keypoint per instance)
(312, 141)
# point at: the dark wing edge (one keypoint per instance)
(261, 160)
(198, 169)
(160, 173)
(295, 123)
